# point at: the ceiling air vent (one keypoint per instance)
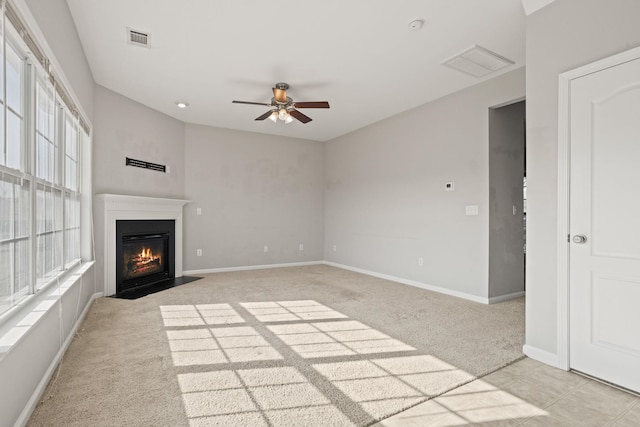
(137, 38)
(477, 61)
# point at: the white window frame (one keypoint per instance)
(33, 73)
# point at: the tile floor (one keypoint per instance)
(526, 393)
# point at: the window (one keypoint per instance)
(71, 195)
(71, 228)
(15, 257)
(46, 148)
(48, 233)
(12, 108)
(40, 163)
(71, 154)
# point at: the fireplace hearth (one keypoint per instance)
(145, 253)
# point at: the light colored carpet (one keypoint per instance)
(297, 346)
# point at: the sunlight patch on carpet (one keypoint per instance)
(200, 314)
(284, 311)
(337, 338)
(219, 345)
(233, 397)
(477, 403)
(297, 363)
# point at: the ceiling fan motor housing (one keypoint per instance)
(286, 103)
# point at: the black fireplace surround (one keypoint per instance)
(145, 253)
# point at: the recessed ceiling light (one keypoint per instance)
(416, 24)
(182, 104)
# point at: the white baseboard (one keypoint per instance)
(417, 284)
(42, 385)
(249, 267)
(541, 356)
(507, 297)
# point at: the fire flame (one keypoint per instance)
(146, 256)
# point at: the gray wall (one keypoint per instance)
(385, 198)
(561, 36)
(55, 22)
(254, 191)
(506, 170)
(124, 128)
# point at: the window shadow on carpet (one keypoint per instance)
(280, 363)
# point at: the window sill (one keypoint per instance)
(16, 323)
(58, 276)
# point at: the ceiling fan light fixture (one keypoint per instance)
(282, 107)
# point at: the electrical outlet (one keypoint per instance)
(301, 247)
(198, 252)
(198, 211)
(420, 261)
(266, 249)
(449, 186)
(335, 248)
(471, 210)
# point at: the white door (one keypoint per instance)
(604, 269)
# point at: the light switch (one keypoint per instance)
(198, 211)
(471, 210)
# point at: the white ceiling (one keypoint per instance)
(358, 54)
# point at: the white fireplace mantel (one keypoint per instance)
(114, 207)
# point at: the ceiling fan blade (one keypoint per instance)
(301, 117)
(250, 103)
(319, 104)
(265, 115)
(280, 95)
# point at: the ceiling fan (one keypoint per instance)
(283, 107)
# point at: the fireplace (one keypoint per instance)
(145, 252)
(111, 208)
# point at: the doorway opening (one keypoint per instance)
(507, 201)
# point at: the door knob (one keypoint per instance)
(579, 238)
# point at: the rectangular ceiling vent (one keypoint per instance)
(477, 61)
(137, 38)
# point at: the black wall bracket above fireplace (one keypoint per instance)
(145, 252)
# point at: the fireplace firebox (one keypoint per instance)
(145, 252)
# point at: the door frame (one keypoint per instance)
(564, 170)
